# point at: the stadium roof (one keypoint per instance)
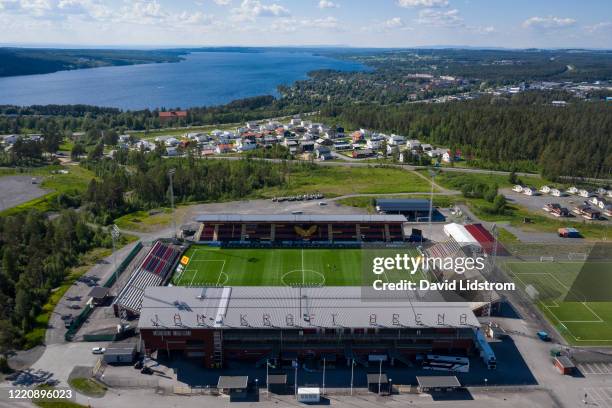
(298, 218)
(251, 307)
(401, 204)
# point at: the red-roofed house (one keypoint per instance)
(169, 115)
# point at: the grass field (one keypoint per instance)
(276, 267)
(336, 180)
(585, 323)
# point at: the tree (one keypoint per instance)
(77, 151)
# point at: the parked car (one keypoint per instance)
(98, 350)
(74, 307)
(542, 335)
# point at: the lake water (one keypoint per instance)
(202, 79)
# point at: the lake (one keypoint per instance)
(202, 79)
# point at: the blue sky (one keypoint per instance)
(371, 23)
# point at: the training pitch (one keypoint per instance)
(562, 290)
(209, 266)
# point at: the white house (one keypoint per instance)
(252, 125)
(171, 142)
(609, 193)
(296, 122)
(10, 139)
(171, 151)
(413, 144)
(447, 157)
(373, 144)
(243, 145)
(396, 140)
(436, 152)
(601, 191)
(124, 139)
(545, 189)
(427, 147)
(585, 193)
(517, 188)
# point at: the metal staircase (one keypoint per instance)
(218, 348)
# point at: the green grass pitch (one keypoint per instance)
(276, 267)
(585, 323)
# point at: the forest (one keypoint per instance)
(36, 255)
(521, 133)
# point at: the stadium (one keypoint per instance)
(283, 288)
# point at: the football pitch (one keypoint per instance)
(557, 290)
(210, 266)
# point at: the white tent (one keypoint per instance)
(460, 234)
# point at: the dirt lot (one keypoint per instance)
(15, 190)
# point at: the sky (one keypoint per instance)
(356, 23)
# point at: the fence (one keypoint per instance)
(121, 268)
(88, 310)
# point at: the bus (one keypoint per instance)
(446, 363)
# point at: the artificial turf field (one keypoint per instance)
(580, 321)
(209, 266)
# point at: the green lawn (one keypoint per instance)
(568, 303)
(88, 387)
(145, 221)
(336, 180)
(281, 267)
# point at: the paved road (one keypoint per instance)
(102, 270)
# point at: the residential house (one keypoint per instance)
(413, 144)
(171, 151)
(551, 206)
(374, 144)
(363, 153)
(223, 148)
(517, 188)
(396, 140)
(307, 145)
(572, 190)
(447, 157)
(243, 145)
(252, 125)
(10, 139)
(426, 147)
(123, 139)
(169, 115)
(357, 136)
(323, 153)
(585, 193)
(342, 146)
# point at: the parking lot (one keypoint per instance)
(536, 204)
(15, 190)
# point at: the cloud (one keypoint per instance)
(249, 10)
(422, 3)
(323, 4)
(548, 22)
(222, 2)
(394, 22)
(438, 18)
(290, 25)
(603, 26)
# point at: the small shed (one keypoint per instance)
(120, 354)
(309, 394)
(374, 379)
(277, 383)
(234, 386)
(564, 365)
(98, 295)
(437, 383)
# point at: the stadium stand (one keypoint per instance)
(152, 271)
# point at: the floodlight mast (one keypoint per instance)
(171, 174)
